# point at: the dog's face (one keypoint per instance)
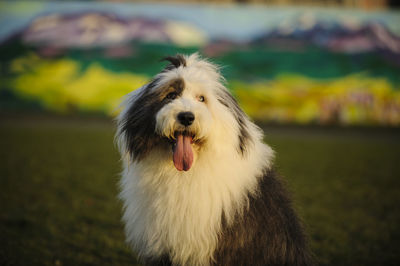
(184, 119)
(179, 110)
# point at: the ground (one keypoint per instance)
(59, 206)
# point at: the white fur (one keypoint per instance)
(179, 213)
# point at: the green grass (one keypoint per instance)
(58, 194)
(58, 200)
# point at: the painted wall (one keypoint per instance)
(286, 65)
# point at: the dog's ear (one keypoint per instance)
(138, 124)
(176, 61)
(227, 100)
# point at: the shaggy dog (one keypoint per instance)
(198, 184)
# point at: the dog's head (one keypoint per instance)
(181, 109)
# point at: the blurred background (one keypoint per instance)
(322, 78)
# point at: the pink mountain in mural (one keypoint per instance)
(347, 36)
(99, 29)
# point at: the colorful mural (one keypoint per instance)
(285, 65)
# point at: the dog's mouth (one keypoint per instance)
(182, 150)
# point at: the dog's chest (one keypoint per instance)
(183, 217)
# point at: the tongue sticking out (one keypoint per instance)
(183, 154)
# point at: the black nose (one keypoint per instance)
(186, 118)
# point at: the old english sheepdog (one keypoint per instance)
(198, 184)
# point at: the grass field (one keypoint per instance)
(58, 179)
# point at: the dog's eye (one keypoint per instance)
(172, 95)
(201, 99)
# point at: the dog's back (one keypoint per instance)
(267, 232)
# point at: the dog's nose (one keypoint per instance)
(186, 118)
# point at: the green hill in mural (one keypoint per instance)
(239, 63)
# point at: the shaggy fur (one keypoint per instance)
(227, 206)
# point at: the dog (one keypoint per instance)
(198, 184)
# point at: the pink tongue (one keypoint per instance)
(183, 154)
